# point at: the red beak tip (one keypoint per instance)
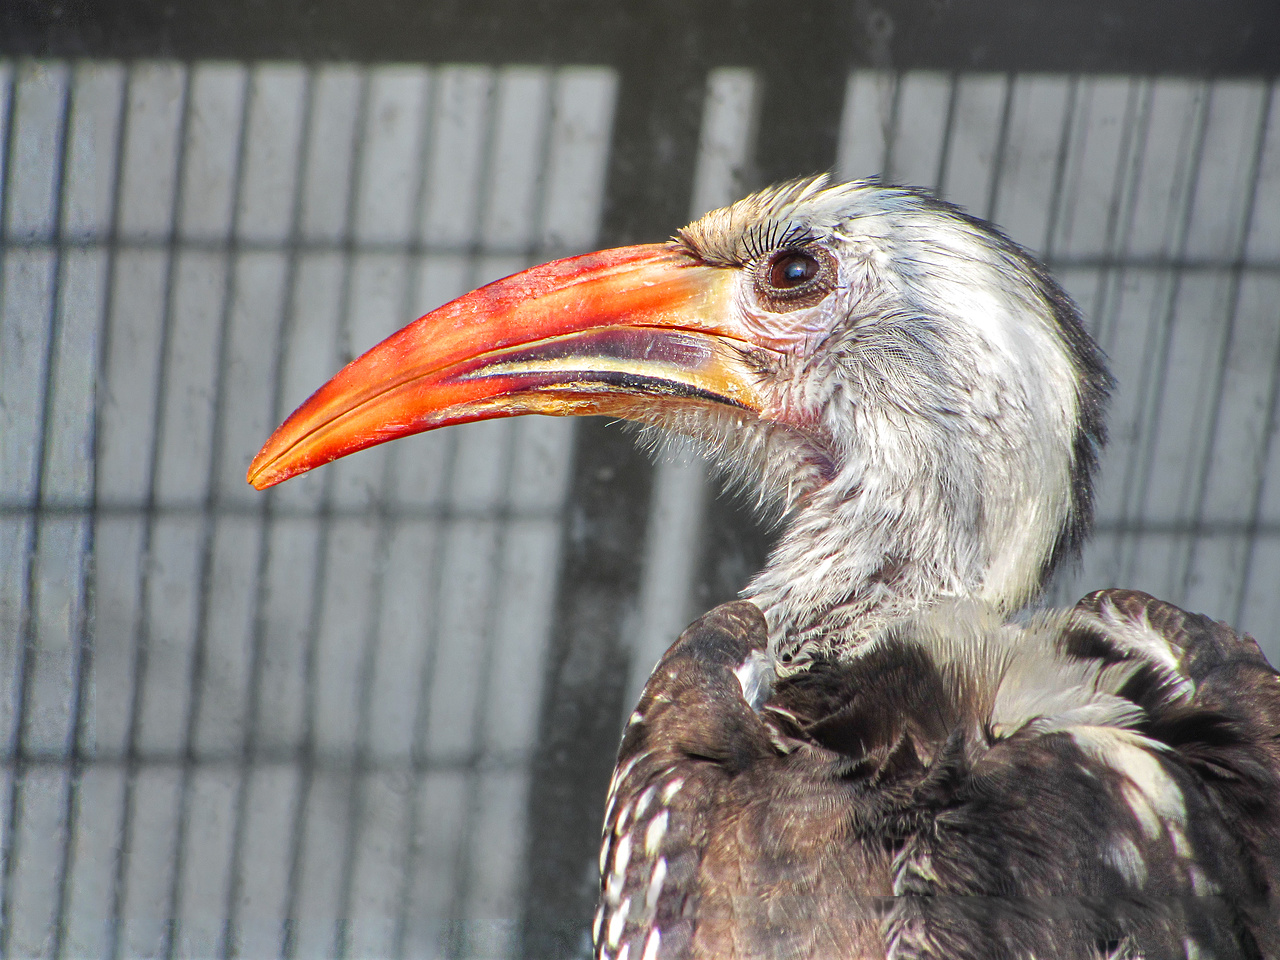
(260, 476)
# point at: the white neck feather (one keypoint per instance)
(962, 492)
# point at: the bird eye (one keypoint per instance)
(791, 269)
(792, 279)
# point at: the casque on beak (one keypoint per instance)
(620, 333)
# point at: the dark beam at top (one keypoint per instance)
(1185, 37)
(651, 164)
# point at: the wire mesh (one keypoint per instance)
(307, 723)
(235, 765)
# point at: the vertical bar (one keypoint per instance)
(1030, 168)
(441, 803)
(1256, 351)
(681, 483)
(39, 835)
(914, 156)
(388, 196)
(648, 190)
(1098, 145)
(448, 226)
(981, 102)
(1084, 225)
(384, 215)
(458, 167)
(309, 351)
(573, 112)
(88, 924)
(263, 878)
(273, 132)
(91, 184)
(512, 216)
(211, 158)
(139, 317)
(223, 95)
(26, 305)
(274, 122)
(202, 864)
(1152, 490)
(1147, 179)
(8, 93)
(730, 114)
(1259, 601)
(347, 618)
(347, 104)
(457, 698)
(37, 118)
(151, 826)
(512, 219)
(867, 124)
(37, 131)
(582, 112)
(82, 285)
(1121, 291)
(797, 137)
(1214, 569)
(36, 122)
(96, 798)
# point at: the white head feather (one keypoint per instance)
(935, 419)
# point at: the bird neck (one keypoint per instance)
(866, 551)
(846, 567)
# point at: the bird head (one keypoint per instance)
(907, 386)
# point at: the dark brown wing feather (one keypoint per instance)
(733, 842)
(863, 813)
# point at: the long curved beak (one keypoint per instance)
(618, 332)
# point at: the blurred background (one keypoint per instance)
(372, 713)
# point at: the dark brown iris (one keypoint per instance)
(791, 279)
(792, 269)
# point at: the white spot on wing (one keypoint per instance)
(1144, 640)
(1201, 885)
(651, 945)
(653, 836)
(646, 798)
(671, 789)
(755, 677)
(1123, 854)
(620, 773)
(1152, 795)
(1141, 807)
(623, 856)
(656, 880)
(617, 922)
(624, 817)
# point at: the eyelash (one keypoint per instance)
(768, 237)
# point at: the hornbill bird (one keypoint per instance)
(873, 754)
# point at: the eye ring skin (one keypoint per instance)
(775, 272)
